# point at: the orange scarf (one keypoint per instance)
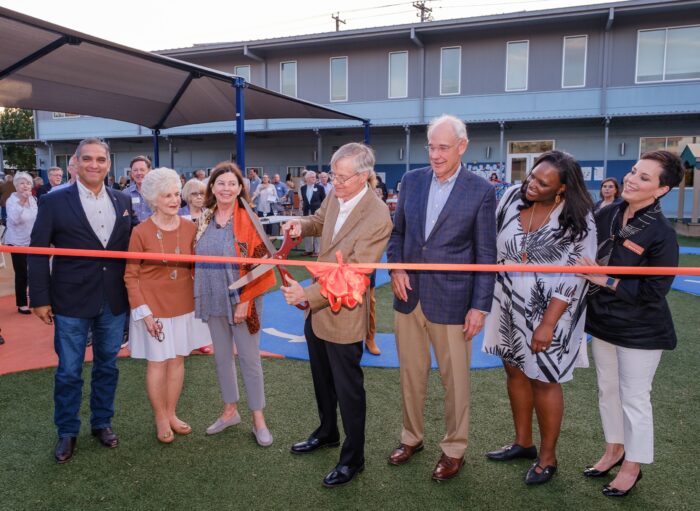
(249, 244)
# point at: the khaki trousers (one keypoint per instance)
(414, 335)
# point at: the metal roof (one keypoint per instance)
(48, 67)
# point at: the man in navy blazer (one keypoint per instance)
(445, 214)
(75, 293)
(312, 195)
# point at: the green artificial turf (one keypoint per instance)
(229, 471)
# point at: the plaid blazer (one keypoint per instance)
(465, 233)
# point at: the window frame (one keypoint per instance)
(330, 78)
(527, 66)
(563, 61)
(666, 137)
(405, 52)
(459, 71)
(296, 84)
(663, 73)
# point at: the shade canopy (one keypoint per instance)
(48, 67)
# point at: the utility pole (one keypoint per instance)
(425, 14)
(338, 21)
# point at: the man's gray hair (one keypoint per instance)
(92, 141)
(157, 182)
(54, 169)
(307, 172)
(458, 126)
(362, 157)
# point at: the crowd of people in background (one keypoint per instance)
(535, 322)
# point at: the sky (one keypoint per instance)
(163, 24)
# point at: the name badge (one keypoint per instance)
(631, 245)
(136, 200)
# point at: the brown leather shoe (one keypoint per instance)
(447, 467)
(372, 347)
(403, 453)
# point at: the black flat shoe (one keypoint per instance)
(511, 452)
(24, 311)
(64, 449)
(311, 444)
(341, 474)
(592, 472)
(533, 477)
(609, 491)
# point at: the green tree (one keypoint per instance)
(17, 124)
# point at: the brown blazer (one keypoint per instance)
(362, 239)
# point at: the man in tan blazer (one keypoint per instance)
(355, 221)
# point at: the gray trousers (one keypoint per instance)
(224, 336)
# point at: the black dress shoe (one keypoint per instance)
(533, 477)
(107, 437)
(64, 449)
(511, 452)
(311, 444)
(341, 474)
(609, 491)
(593, 472)
(24, 311)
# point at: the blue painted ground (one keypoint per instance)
(283, 327)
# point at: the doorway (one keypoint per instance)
(521, 157)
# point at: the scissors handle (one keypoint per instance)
(288, 243)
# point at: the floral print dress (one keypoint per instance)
(521, 299)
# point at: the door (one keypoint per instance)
(522, 156)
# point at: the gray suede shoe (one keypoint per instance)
(262, 437)
(221, 424)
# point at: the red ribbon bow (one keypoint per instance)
(342, 285)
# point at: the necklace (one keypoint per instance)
(159, 236)
(524, 254)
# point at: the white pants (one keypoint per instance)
(624, 397)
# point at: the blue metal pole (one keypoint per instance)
(156, 155)
(239, 84)
(366, 126)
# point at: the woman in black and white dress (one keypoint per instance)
(537, 319)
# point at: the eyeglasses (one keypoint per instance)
(341, 180)
(197, 194)
(441, 149)
(161, 335)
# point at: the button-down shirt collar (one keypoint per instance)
(346, 207)
(99, 210)
(437, 197)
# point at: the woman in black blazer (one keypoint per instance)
(629, 318)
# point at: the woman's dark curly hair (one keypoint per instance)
(577, 201)
(223, 168)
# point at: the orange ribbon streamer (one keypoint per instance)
(522, 268)
(342, 285)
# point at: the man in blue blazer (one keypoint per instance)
(312, 195)
(445, 214)
(75, 293)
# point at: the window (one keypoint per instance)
(573, 72)
(398, 74)
(516, 65)
(339, 79)
(62, 161)
(450, 70)
(674, 144)
(243, 72)
(288, 78)
(668, 54)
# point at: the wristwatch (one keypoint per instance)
(610, 282)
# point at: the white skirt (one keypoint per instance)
(183, 334)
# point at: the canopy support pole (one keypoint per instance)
(239, 84)
(365, 124)
(156, 149)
